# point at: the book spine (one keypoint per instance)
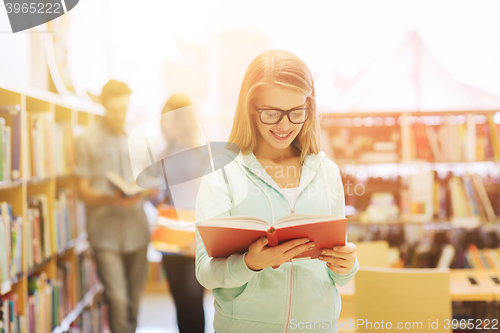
(494, 138)
(7, 161)
(272, 237)
(2, 157)
(16, 146)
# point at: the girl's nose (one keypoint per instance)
(284, 122)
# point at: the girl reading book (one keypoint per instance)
(280, 171)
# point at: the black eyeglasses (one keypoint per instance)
(273, 116)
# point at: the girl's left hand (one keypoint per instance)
(341, 259)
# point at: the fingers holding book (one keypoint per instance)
(340, 259)
(260, 256)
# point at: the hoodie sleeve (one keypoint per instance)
(336, 189)
(213, 200)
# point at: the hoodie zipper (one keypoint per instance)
(292, 210)
(289, 299)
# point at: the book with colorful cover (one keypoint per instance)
(173, 235)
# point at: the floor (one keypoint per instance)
(157, 313)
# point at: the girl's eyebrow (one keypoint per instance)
(275, 108)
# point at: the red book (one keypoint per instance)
(234, 234)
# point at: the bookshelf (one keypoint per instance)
(421, 180)
(48, 278)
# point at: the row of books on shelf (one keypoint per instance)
(69, 216)
(366, 144)
(50, 146)
(93, 319)
(44, 303)
(49, 300)
(10, 320)
(449, 257)
(69, 223)
(87, 274)
(431, 246)
(476, 138)
(462, 199)
(472, 140)
(481, 258)
(426, 197)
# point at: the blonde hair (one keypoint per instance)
(185, 120)
(281, 69)
(176, 101)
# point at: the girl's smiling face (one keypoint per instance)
(278, 136)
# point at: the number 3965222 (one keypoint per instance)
(34, 7)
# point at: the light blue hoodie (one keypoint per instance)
(299, 296)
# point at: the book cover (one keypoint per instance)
(483, 195)
(433, 143)
(127, 189)
(477, 199)
(475, 254)
(421, 189)
(484, 261)
(6, 218)
(494, 138)
(173, 235)
(7, 163)
(470, 139)
(234, 234)
(447, 255)
(470, 261)
(480, 143)
(488, 147)
(485, 255)
(4, 259)
(494, 255)
(2, 157)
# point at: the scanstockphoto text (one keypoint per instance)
(431, 324)
(290, 172)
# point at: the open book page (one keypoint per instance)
(118, 181)
(299, 219)
(238, 222)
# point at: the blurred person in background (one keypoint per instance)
(181, 133)
(116, 225)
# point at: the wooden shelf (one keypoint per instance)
(69, 102)
(62, 110)
(6, 185)
(344, 162)
(444, 222)
(396, 114)
(78, 310)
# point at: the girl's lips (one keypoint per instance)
(279, 137)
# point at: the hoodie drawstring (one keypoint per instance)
(326, 188)
(267, 195)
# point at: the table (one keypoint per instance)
(462, 287)
(467, 285)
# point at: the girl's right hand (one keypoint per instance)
(259, 256)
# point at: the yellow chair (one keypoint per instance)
(373, 254)
(410, 298)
